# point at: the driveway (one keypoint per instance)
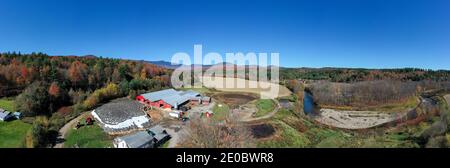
(65, 129)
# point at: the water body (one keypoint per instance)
(308, 103)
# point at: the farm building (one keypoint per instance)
(143, 139)
(169, 98)
(121, 116)
(5, 115)
(206, 100)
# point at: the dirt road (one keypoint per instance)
(271, 114)
(65, 129)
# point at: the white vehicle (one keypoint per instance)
(175, 114)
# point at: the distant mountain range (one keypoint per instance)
(165, 64)
(169, 65)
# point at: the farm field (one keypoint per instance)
(12, 133)
(91, 136)
(218, 83)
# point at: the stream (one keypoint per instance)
(308, 103)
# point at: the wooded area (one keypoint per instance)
(59, 81)
(371, 93)
(51, 90)
(357, 75)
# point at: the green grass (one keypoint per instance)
(7, 104)
(202, 90)
(88, 137)
(165, 145)
(220, 113)
(264, 106)
(289, 137)
(12, 133)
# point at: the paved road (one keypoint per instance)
(63, 131)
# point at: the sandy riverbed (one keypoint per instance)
(355, 119)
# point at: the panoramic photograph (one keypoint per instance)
(224, 74)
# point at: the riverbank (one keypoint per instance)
(355, 119)
(387, 108)
(447, 98)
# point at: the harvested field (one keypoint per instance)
(235, 99)
(262, 130)
(265, 90)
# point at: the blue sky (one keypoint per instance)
(306, 33)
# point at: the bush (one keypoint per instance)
(101, 95)
(39, 132)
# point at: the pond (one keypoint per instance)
(308, 103)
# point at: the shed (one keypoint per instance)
(5, 116)
(18, 115)
(141, 139)
(206, 100)
(160, 134)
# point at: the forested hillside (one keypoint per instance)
(64, 80)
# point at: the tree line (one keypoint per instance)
(358, 75)
(371, 93)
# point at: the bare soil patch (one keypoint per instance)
(235, 99)
(262, 130)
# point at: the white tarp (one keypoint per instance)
(134, 121)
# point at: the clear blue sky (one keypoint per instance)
(309, 33)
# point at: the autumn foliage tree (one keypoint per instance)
(78, 73)
(109, 92)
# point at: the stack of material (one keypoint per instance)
(121, 116)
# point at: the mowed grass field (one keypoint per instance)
(7, 104)
(91, 136)
(264, 106)
(12, 133)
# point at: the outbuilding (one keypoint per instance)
(5, 116)
(150, 138)
(167, 99)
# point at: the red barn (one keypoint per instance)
(167, 99)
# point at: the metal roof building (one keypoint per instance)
(171, 96)
(6, 115)
(141, 139)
